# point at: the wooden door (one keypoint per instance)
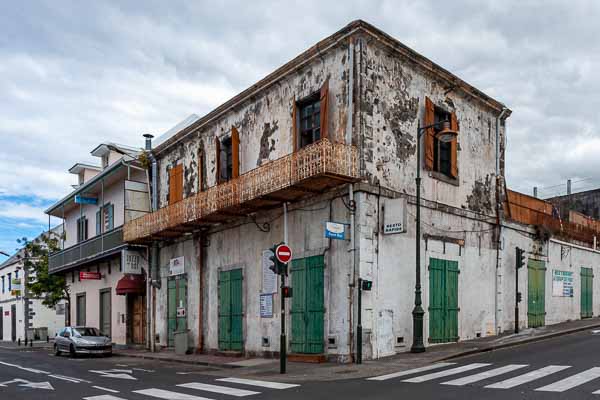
(231, 310)
(138, 320)
(105, 312)
(177, 306)
(587, 289)
(536, 293)
(443, 301)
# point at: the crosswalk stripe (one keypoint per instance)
(266, 384)
(572, 381)
(410, 371)
(528, 377)
(447, 372)
(168, 395)
(218, 389)
(105, 389)
(104, 397)
(484, 375)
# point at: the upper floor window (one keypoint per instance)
(82, 229)
(440, 157)
(17, 274)
(228, 156)
(3, 285)
(105, 218)
(226, 166)
(9, 281)
(309, 118)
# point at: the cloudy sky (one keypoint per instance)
(73, 74)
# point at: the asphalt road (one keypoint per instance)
(562, 368)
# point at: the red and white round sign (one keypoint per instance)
(283, 253)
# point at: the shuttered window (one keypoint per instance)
(439, 156)
(176, 184)
(82, 229)
(310, 118)
(228, 157)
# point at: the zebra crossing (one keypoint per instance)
(475, 373)
(197, 390)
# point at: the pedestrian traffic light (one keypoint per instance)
(519, 297)
(366, 285)
(521, 258)
(287, 292)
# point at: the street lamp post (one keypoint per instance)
(445, 135)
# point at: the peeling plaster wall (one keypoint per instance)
(392, 93)
(264, 123)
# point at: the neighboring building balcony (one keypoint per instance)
(90, 250)
(311, 170)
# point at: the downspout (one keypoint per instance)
(352, 250)
(499, 185)
(155, 252)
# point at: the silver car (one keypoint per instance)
(81, 340)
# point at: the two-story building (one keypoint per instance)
(106, 276)
(22, 315)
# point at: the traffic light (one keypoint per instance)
(521, 259)
(519, 297)
(287, 292)
(366, 285)
(275, 262)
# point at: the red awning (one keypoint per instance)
(131, 284)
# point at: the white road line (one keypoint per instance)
(35, 371)
(409, 372)
(572, 381)
(103, 397)
(168, 395)
(65, 378)
(447, 372)
(218, 389)
(528, 377)
(484, 375)
(105, 389)
(265, 384)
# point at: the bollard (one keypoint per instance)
(19, 342)
(31, 343)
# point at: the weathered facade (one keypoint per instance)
(332, 136)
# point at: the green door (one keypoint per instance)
(231, 310)
(177, 306)
(443, 301)
(308, 311)
(536, 293)
(587, 279)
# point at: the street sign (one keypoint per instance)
(89, 275)
(283, 252)
(131, 262)
(335, 230)
(85, 200)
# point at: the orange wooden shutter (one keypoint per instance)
(294, 126)
(217, 160)
(454, 147)
(324, 109)
(235, 152)
(176, 184)
(429, 133)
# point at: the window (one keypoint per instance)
(82, 229)
(176, 184)
(226, 160)
(440, 157)
(9, 281)
(228, 157)
(310, 121)
(3, 287)
(17, 274)
(105, 218)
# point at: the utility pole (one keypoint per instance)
(359, 324)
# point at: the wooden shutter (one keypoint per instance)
(454, 147)
(176, 184)
(324, 110)
(217, 161)
(429, 133)
(235, 152)
(294, 126)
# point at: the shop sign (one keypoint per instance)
(87, 276)
(394, 216)
(562, 283)
(177, 266)
(131, 262)
(335, 230)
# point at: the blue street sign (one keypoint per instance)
(335, 230)
(85, 200)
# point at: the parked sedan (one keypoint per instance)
(82, 340)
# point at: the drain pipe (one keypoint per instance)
(499, 185)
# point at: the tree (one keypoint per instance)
(52, 289)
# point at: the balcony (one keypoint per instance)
(312, 170)
(110, 242)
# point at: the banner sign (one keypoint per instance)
(89, 276)
(562, 283)
(85, 200)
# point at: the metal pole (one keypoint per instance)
(417, 346)
(359, 325)
(282, 338)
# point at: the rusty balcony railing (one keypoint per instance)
(313, 168)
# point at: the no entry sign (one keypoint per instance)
(283, 253)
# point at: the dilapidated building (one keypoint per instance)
(331, 137)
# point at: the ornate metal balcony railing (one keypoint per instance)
(313, 168)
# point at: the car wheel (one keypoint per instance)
(56, 350)
(72, 351)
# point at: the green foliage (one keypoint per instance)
(50, 288)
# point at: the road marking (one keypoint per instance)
(410, 371)
(528, 377)
(115, 373)
(103, 397)
(143, 370)
(251, 382)
(572, 381)
(484, 375)
(35, 371)
(447, 372)
(26, 383)
(167, 394)
(105, 389)
(218, 389)
(69, 378)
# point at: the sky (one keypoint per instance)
(74, 74)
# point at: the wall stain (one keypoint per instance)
(267, 143)
(480, 199)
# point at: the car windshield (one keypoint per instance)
(86, 332)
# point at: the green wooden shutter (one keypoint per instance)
(536, 293)
(237, 312)
(298, 310)
(451, 331)
(172, 310)
(437, 292)
(224, 311)
(587, 277)
(315, 305)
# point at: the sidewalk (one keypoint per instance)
(268, 369)
(37, 345)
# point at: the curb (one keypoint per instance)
(518, 343)
(177, 360)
